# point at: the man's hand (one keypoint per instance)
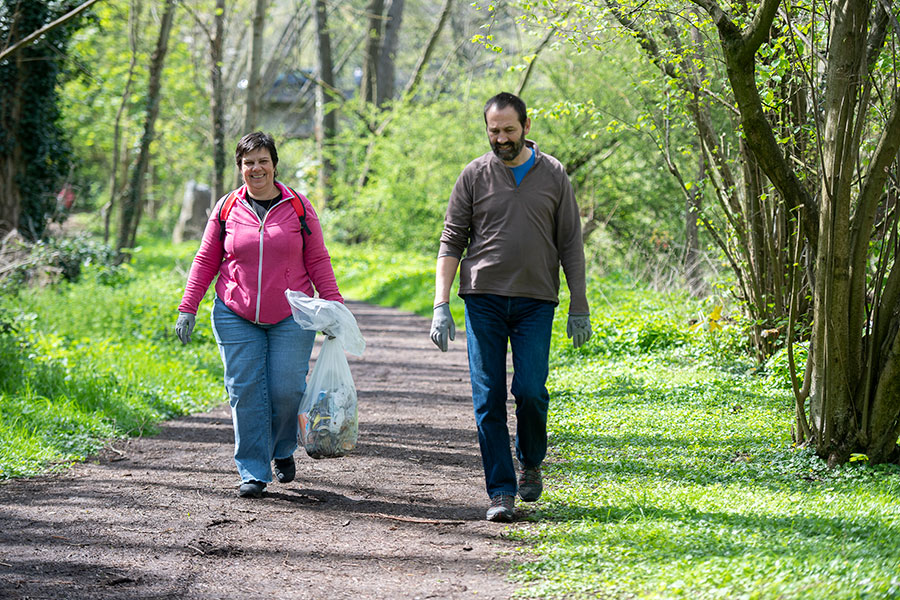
(579, 329)
(184, 326)
(442, 326)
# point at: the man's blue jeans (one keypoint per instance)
(527, 324)
(265, 376)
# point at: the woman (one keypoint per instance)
(269, 241)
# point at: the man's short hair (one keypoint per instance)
(504, 99)
(251, 142)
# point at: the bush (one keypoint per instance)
(403, 203)
(777, 369)
(59, 259)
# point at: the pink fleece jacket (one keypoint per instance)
(258, 260)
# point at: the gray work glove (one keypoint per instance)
(442, 326)
(579, 329)
(184, 326)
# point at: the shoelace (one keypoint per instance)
(531, 476)
(501, 501)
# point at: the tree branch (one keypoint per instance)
(758, 31)
(863, 219)
(48, 27)
(721, 19)
(886, 6)
(645, 40)
(575, 163)
(429, 48)
(199, 22)
(532, 62)
(740, 65)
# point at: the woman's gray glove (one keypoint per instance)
(442, 326)
(579, 329)
(184, 326)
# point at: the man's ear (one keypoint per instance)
(527, 127)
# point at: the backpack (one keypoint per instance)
(296, 202)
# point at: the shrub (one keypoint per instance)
(59, 259)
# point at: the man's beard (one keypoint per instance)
(510, 150)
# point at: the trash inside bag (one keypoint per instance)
(329, 417)
(329, 316)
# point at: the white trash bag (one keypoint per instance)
(329, 416)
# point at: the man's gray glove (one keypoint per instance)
(579, 329)
(184, 326)
(442, 326)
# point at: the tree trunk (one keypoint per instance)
(10, 195)
(834, 378)
(386, 70)
(33, 156)
(854, 360)
(130, 215)
(375, 26)
(326, 126)
(410, 88)
(218, 101)
(251, 120)
(133, 29)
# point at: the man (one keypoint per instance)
(513, 213)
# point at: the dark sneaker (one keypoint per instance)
(502, 508)
(530, 484)
(252, 489)
(285, 469)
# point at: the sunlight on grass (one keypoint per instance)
(97, 360)
(671, 474)
(402, 280)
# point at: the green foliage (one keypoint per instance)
(95, 95)
(672, 475)
(592, 116)
(631, 319)
(390, 278)
(413, 167)
(777, 367)
(63, 259)
(78, 371)
(33, 146)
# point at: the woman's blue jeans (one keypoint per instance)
(526, 324)
(265, 376)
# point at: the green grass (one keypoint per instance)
(87, 362)
(97, 360)
(401, 280)
(670, 472)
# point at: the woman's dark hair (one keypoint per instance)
(504, 99)
(251, 142)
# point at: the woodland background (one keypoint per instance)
(743, 152)
(731, 429)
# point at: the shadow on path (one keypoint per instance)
(401, 517)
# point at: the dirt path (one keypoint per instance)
(401, 518)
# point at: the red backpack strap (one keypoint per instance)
(225, 210)
(300, 209)
(296, 202)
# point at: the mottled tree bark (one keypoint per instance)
(855, 349)
(132, 206)
(326, 124)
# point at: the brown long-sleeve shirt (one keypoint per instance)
(516, 238)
